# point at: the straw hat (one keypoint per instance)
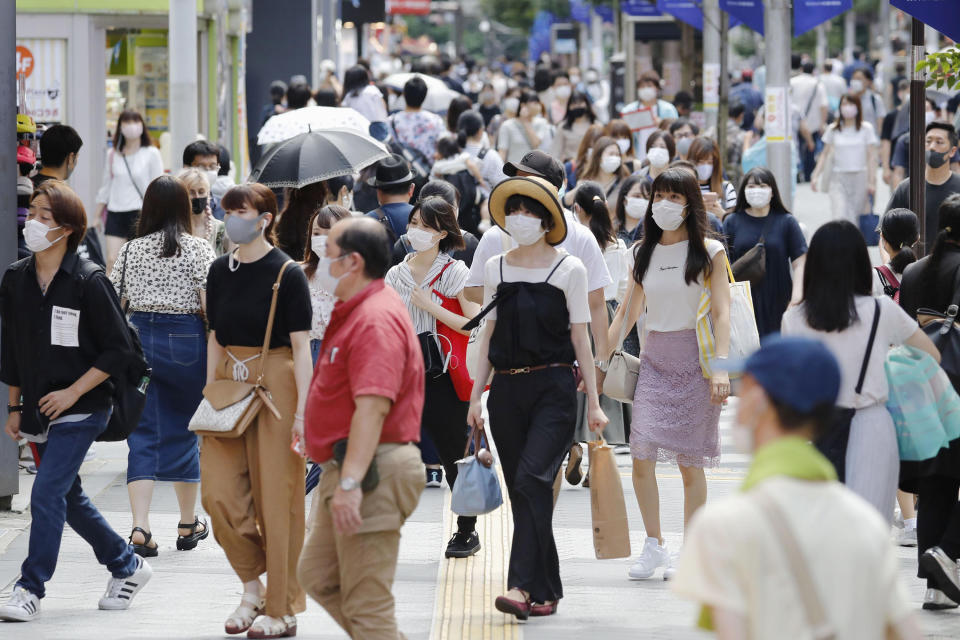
(538, 189)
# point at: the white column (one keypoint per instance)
(711, 62)
(777, 102)
(182, 41)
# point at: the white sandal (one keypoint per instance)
(251, 606)
(267, 627)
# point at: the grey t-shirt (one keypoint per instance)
(935, 195)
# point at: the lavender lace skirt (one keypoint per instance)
(673, 419)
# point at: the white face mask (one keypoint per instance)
(856, 86)
(758, 196)
(849, 111)
(574, 80)
(211, 177)
(704, 172)
(636, 207)
(624, 144)
(668, 215)
(35, 236)
(347, 202)
(658, 157)
(511, 104)
(562, 92)
(930, 116)
(131, 130)
(324, 279)
(647, 94)
(610, 163)
(421, 239)
(524, 229)
(319, 245)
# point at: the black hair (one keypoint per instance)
(441, 189)
(459, 105)
(817, 420)
(684, 99)
(901, 229)
(199, 148)
(325, 98)
(542, 78)
(447, 146)
(680, 123)
(415, 92)
(761, 175)
(866, 71)
(355, 80)
(298, 95)
(795, 61)
(335, 184)
(58, 142)
(370, 241)
(223, 155)
(469, 124)
(278, 89)
(292, 228)
(735, 109)
(625, 187)
(577, 97)
(560, 73)
(837, 269)
(128, 115)
(166, 208)
(948, 232)
(698, 262)
(809, 67)
(439, 215)
(668, 140)
(946, 126)
(517, 201)
(590, 197)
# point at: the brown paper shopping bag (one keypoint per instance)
(611, 533)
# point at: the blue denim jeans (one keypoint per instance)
(315, 346)
(57, 497)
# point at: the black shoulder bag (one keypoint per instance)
(941, 327)
(833, 443)
(752, 265)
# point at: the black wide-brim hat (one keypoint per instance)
(390, 172)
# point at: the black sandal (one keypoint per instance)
(144, 550)
(186, 543)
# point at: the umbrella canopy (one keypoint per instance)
(439, 95)
(316, 156)
(284, 126)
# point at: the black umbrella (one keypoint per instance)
(315, 156)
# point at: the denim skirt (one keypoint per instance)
(161, 447)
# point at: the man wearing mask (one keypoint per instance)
(648, 97)
(900, 152)
(748, 558)
(941, 143)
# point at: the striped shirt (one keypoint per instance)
(450, 285)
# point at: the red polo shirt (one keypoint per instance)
(369, 349)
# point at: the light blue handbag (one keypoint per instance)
(477, 489)
(924, 405)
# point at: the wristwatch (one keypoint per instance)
(601, 364)
(348, 484)
(14, 408)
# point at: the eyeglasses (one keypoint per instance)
(208, 167)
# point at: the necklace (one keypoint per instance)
(43, 285)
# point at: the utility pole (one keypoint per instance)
(724, 112)
(182, 43)
(918, 182)
(849, 35)
(777, 129)
(886, 59)
(711, 62)
(822, 45)
(328, 12)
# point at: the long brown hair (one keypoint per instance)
(293, 230)
(326, 217)
(590, 136)
(592, 171)
(702, 147)
(128, 115)
(620, 129)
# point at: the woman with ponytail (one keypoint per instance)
(473, 139)
(930, 283)
(899, 231)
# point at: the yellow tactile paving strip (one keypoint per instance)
(467, 587)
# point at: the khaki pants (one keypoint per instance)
(352, 576)
(253, 488)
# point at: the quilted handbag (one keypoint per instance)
(623, 369)
(230, 406)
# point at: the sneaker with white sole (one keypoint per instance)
(654, 555)
(907, 537)
(22, 606)
(120, 591)
(943, 570)
(936, 600)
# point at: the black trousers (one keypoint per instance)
(938, 518)
(532, 420)
(445, 420)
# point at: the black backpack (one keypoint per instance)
(469, 215)
(129, 390)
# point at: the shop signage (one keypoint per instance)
(408, 7)
(42, 62)
(807, 14)
(942, 15)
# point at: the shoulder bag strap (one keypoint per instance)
(956, 288)
(439, 275)
(130, 173)
(123, 279)
(866, 356)
(812, 605)
(766, 227)
(806, 112)
(273, 313)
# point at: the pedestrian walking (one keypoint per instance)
(633, 200)
(861, 86)
(535, 299)
(761, 217)
(753, 560)
(132, 163)
(810, 99)
(63, 336)
(661, 150)
(363, 416)
(415, 127)
(321, 300)
(161, 278)
(649, 90)
(202, 222)
(848, 158)
(584, 151)
(470, 136)
(426, 272)
(930, 283)
(527, 131)
(838, 309)
(605, 167)
(719, 195)
(393, 181)
(577, 118)
(676, 410)
(361, 95)
(293, 226)
(253, 485)
(620, 131)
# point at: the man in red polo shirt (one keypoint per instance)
(362, 420)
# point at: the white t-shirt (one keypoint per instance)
(570, 277)
(806, 89)
(849, 346)
(121, 190)
(672, 303)
(732, 559)
(579, 243)
(850, 146)
(512, 141)
(368, 102)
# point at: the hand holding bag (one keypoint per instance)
(744, 335)
(611, 531)
(476, 490)
(230, 406)
(623, 369)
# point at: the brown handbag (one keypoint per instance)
(230, 406)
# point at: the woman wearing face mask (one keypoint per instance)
(605, 168)
(321, 301)
(633, 200)
(676, 410)
(293, 225)
(202, 223)
(660, 150)
(761, 217)
(526, 132)
(719, 195)
(561, 92)
(584, 151)
(488, 107)
(340, 191)
(132, 164)
(578, 118)
(620, 131)
(434, 233)
(850, 145)
(648, 97)
(257, 534)
(162, 277)
(537, 312)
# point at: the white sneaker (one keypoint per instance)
(654, 555)
(120, 591)
(907, 537)
(22, 606)
(936, 600)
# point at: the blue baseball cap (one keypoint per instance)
(798, 372)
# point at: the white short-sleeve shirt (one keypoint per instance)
(450, 284)
(671, 303)
(570, 277)
(850, 146)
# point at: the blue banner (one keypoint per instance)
(539, 41)
(942, 15)
(635, 7)
(685, 10)
(749, 12)
(580, 11)
(807, 14)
